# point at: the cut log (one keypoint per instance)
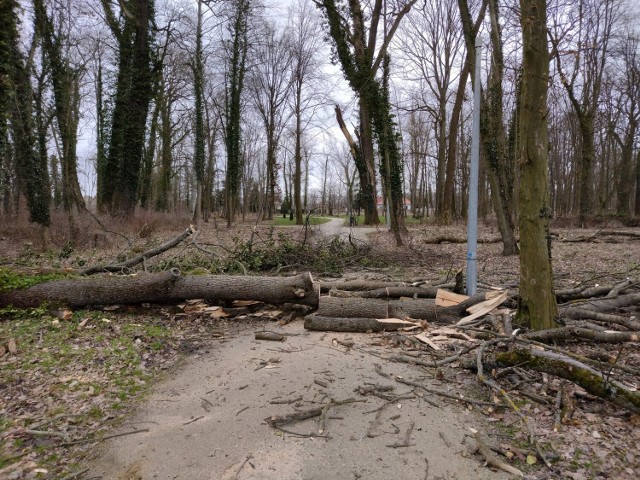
(397, 292)
(358, 285)
(165, 287)
(570, 369)
(423, 309)
(355, 324)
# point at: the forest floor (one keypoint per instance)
(190, 392)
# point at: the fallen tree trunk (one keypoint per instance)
(451, 239)
(570, 369)
(604, 304)
(575, 313)
(421, 309)
(165, 287)
(337, 324)
(598, 236)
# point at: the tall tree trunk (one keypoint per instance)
(625, 177)
(198, 91)
(101, 140)
(637, 207)
(585, 166)
(163, 191)
(537, 302)
(134, 89)
(67, 103)
(235, 86)
(366, 168)
(146, 174)
(297, 154)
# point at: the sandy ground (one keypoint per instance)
(207, 420)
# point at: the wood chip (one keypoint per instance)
(425, 339)
(12, 347)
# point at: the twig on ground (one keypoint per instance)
(494, 386)
(285, 402)
(106, 437)
(77, 474)
(558, 406)
(447, 395)
(406, 442)
(194, 420)
(243, 464)
(48, 433)
(491, 459)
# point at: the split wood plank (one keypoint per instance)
(483, 308)
(445, 298)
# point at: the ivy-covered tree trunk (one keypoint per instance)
(16, 97)
(163, 191)
(134, 89)
(537, 302)
(145, 189)
(198, 91)
(391, 167)
(101, 138)
(66, 96)
(233, 106)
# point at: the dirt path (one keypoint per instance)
(336, 226)
(209, 418)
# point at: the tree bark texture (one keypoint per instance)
(165, 287)
(537, 305)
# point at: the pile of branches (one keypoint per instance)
(591, 356)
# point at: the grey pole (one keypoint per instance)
(472, 215)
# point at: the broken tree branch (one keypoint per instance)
(124, 266)
(577, 372)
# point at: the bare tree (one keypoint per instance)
(581, 55)
(431, 41)
(305, 43)
(270, 84)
